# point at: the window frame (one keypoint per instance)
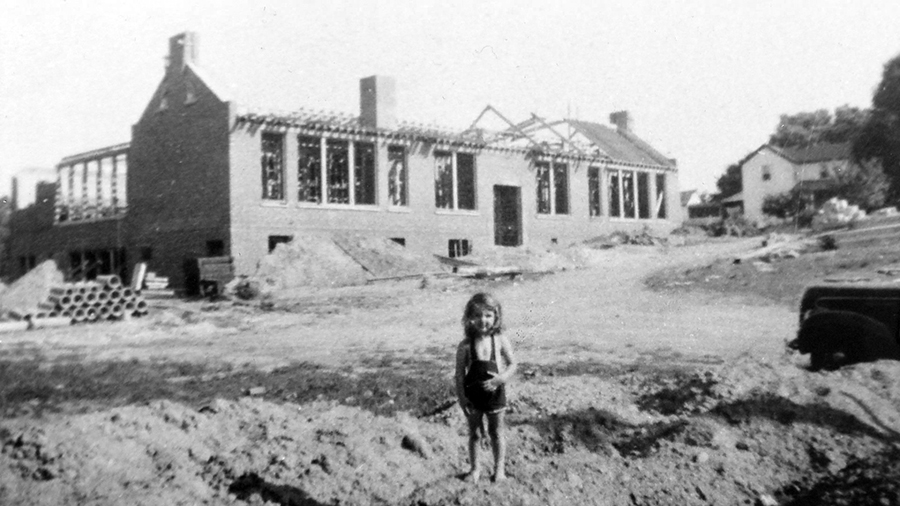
(595, 191)
(553, 198)
(268, 169)
(398, 180)
(448, 178)
(330, 171)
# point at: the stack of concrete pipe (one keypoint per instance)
(87, 301)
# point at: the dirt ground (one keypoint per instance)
(625, 395)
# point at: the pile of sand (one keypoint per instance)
(32, 288)
(325, 260)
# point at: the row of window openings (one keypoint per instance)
(629, 193)
(328, 160)
(342, 171)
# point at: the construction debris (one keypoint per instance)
(44, 300)
(836, 213)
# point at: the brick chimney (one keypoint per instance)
(182, 50)
(378, 102)
(622, 120)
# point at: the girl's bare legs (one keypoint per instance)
(498, 444)
(475, 433)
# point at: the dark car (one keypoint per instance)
(847, 323)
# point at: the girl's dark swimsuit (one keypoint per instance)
(482, 399)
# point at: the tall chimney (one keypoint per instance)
(378, 102)
(182, 50)
(622, 120)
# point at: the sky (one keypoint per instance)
(705, 81)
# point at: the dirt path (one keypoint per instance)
(626, 396)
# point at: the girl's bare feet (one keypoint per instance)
(472, 476)
(499, 476)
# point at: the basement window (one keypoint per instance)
(594, 191)
(272, 162)
(397, 176)
(399, 240)
(275, 240)
(454, 180)
(552, 180)
(458, 248)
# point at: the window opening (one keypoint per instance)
(643, 192)
(215, 248)
(146, 254)
(397, 176)
(766, 172)
(552, 188)
(594, 191)
(443, 180)
(458, 248)
(399, 240)
(661, 196)
(628, 194)
(337, 171)
(465, 177)
(615, 203)
(272, 166)
(275, 240)
(542, 175)
(561, 188)
(190, 93)
(364, 172)
(309, 168)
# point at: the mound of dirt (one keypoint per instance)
(309, 260)
(382, 258)
(326, 260)
(32, 288)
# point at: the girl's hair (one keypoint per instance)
(482, 301)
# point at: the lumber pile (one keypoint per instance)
(149, 285)
(83, 302)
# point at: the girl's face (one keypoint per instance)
(483, 319)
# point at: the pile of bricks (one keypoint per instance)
(86, 301)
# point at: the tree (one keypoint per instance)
(863, 184)
(879, 139)
(730, 183)
(805, 128)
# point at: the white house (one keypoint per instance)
(771, 170)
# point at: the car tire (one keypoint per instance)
(837, 338)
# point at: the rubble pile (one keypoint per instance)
(836, 213)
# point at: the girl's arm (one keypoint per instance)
(462, 362)
(507, 352)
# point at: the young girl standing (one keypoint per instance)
(484, 364)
